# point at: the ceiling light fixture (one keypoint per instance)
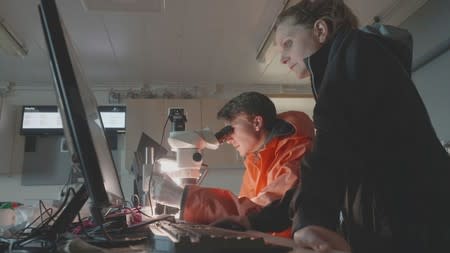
(9, 43)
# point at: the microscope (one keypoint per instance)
(188, 145)
(187, 167)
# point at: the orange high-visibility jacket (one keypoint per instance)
(269, 173)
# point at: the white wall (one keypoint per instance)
(11, 155)
(429, 27)
(433, 83)
(304, 104)
(7, 124)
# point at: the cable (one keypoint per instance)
(160, 143)
(167, 217)
(69, 179)
(105, 233)
(146, 215)
(107, 212)
(164, 130)
(149, 191)
(135, 200)
(38, 232)
(29, 226)
(150, 203)
(42, 206)
(203, 174)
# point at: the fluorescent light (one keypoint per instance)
(9, 42)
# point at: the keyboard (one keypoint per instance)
(179, 237)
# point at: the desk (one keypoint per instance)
(160, 244)
(77, 247)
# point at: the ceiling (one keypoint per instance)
(209, 45)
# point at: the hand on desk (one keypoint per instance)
(165, 191)
(321, 239)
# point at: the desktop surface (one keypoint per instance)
(166, 236)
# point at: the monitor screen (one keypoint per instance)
(46, 119)
(113, 117)
(41, 119)
(80, 116)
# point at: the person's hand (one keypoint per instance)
(165, 191)
(320, 239)
(240, 223)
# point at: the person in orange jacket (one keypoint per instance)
(272, 145)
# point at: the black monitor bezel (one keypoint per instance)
(74, 115)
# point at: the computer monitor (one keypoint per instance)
(40, 119)
(80, 117)
(46, 119)
(146, 143)
(113, 117)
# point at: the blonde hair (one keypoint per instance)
(335, 13)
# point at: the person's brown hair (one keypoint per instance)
(335, 13)
(253, 104)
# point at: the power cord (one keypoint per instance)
(164, 130)
(40, 232)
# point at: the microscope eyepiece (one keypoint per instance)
(224, 133)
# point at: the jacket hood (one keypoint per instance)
(299, 121)
(291, 123)
(397, 40)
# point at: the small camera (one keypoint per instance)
(178, 119)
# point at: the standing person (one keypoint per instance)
(376, 161)
(272, 145)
